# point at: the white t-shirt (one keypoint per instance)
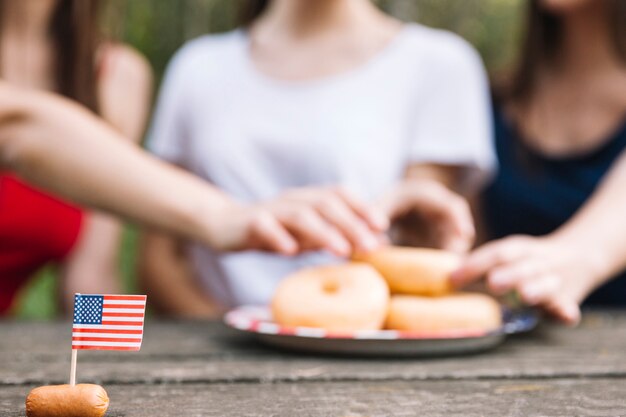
(423, 99)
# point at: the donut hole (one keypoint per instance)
(330, 287)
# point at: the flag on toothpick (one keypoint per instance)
(108, 322)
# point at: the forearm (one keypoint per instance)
(168, 279)
(84, 278)
(597, 230)
(93, 265)
(57, 145)
(174, 294)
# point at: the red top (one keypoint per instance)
(35, 228)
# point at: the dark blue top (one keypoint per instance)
(534, 194)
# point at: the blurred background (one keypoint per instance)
(158, 28)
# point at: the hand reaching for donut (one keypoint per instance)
(549, 272)
(446, 215)
(303, 219)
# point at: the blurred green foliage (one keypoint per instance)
(159, 27)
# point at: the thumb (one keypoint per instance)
(567, 311)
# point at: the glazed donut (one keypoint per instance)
(82, 400)
(459, 311)
(415, 271)
(339, 298)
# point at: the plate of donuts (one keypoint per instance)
(396, 301)
(258, 321)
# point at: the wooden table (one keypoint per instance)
(202, 369)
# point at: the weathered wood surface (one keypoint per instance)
(207, 352)
(203, 369)
(359, 399)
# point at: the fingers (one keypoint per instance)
(340, 215)
(448, 212)
(565, 310)
(438, 201)
(330, 218)
(293, 229)
(539, 290)
(373, 216)
(522, 264)
(267, 233)
(536, 287)
(449, 233)
(547, 292)
(313, 231)
(457, 222)
(508, 276)
(487, 258)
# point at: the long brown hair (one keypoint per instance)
(75, 36)
(541, 43)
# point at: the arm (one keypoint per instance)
(56, 144)
(559, 270)
(169, 281)
(124, 91)
(598, 229)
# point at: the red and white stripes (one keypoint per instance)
(121, 328)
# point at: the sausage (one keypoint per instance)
(82, 400)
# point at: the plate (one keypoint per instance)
(257, 321)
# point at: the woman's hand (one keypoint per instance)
(446, 214)
(549, 272)
(305, 219)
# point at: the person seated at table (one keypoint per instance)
(55, 45)
(556, 209)
(328, 102)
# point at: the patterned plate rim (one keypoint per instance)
(256, 319)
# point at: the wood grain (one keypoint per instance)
(203, 369)
(207, 352)
(359, 399)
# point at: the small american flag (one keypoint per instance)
(108, 322)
